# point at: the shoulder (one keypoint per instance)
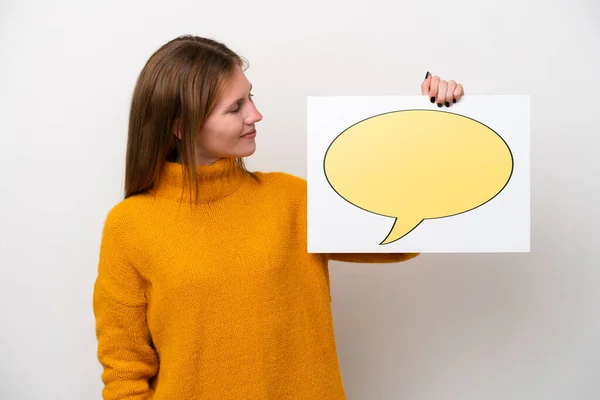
(283, 188)
(122, 217)
(282, 180)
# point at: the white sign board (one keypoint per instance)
(391, 174)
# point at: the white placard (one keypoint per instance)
(393, 174)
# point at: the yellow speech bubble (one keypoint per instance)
(414, 165)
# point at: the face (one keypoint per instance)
(229, 130)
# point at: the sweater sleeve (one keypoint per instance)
(300, 187)
(125, 348)
(374, 258)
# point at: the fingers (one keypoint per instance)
(442, 91)
(445, 93)
(450, 93)
(433, 88)
(458, 92)
(426, 84)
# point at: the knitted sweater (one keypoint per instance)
(219, 300)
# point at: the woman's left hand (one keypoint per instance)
(442, 92)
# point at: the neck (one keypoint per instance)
(216, 180)
(200, 159)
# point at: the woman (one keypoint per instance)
(205, 289)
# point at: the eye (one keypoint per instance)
(235, 110)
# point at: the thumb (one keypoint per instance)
(426, 84)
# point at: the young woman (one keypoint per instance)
(205, 288)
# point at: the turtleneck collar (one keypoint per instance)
(215, 181)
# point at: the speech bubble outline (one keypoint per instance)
(416, 222)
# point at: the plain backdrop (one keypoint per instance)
(443, 326)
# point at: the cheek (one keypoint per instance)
(232, 130)
(228, 133)
(221, 133)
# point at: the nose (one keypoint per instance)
(254, 115)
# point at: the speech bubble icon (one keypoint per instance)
(414, 165)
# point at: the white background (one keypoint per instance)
(443, 326)
(502, 224)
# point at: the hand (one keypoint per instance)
(444, 92)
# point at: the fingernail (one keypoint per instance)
(427, 75)
(447, 104)
(433, 99)
(439, 104)
(454, 100)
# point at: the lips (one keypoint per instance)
(250, 134)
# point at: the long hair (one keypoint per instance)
(177, 89)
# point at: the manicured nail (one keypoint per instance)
(433, 99)
(447, 104)
(454, 100)
(439, 104)
(427, 75)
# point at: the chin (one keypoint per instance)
(246, 151)
(249, 153)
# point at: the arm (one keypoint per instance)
(374, 258)
(124, 344)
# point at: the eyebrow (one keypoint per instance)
(239, 101)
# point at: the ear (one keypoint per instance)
(177, 129)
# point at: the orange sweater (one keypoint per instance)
(221, 301)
